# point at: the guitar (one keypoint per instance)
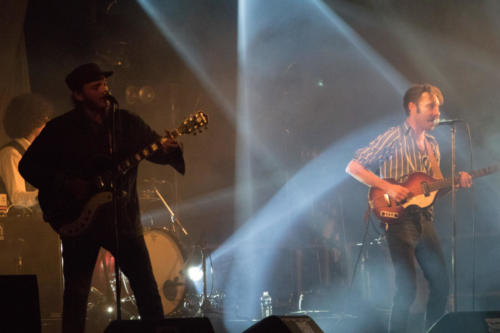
(424, 191)
(72, 218)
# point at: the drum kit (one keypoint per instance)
(172, 252)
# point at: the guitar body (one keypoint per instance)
(389, 211)
(71, 217)
(83, 221)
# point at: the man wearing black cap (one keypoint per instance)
(65, 163)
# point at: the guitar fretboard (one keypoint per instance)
(190, 126)
(446, 182)
(147, 151)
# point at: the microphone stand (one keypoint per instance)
(114, 187)
(453, 221)
(206, 307)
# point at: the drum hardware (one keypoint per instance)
(170, 271)
(173, 218)
(100, 310)
(149, 194)
(169, 287)
(206, 305)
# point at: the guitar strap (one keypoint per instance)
(436, 171)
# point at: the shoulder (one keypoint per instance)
(391, 134)
(396, 130)
(130, 117)
(8, 156)
(68, 117)
(128, 114)
(15, 147)
(8, 152)
(133, 121)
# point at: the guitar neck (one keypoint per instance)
(191, 125)
(147, 151)
(485, 171)
(446, 182)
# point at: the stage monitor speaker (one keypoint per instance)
(285, 324)
(467, 322)
(172, 325)
(19, 304)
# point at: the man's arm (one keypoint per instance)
(365, 176)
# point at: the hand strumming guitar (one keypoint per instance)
(79, 188)
(397, 192)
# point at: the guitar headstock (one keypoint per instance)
(194, 124)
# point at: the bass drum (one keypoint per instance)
(168, 268)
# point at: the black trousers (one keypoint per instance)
(414, 239)
(80, 255)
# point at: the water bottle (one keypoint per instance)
(266, 305)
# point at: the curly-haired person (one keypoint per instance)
(24, 118)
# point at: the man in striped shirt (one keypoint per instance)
(397, 153)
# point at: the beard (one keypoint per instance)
(100, 105)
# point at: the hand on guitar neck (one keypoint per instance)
(464, 180)
(169, 143)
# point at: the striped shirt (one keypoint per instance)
(396, 155)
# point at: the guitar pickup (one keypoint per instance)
(389, 214)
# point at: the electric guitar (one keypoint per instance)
(423, 192)
(69, 217)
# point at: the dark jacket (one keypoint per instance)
(73, 146)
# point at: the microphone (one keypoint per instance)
(110, 98)
(439, 122)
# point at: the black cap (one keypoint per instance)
(84, 74)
